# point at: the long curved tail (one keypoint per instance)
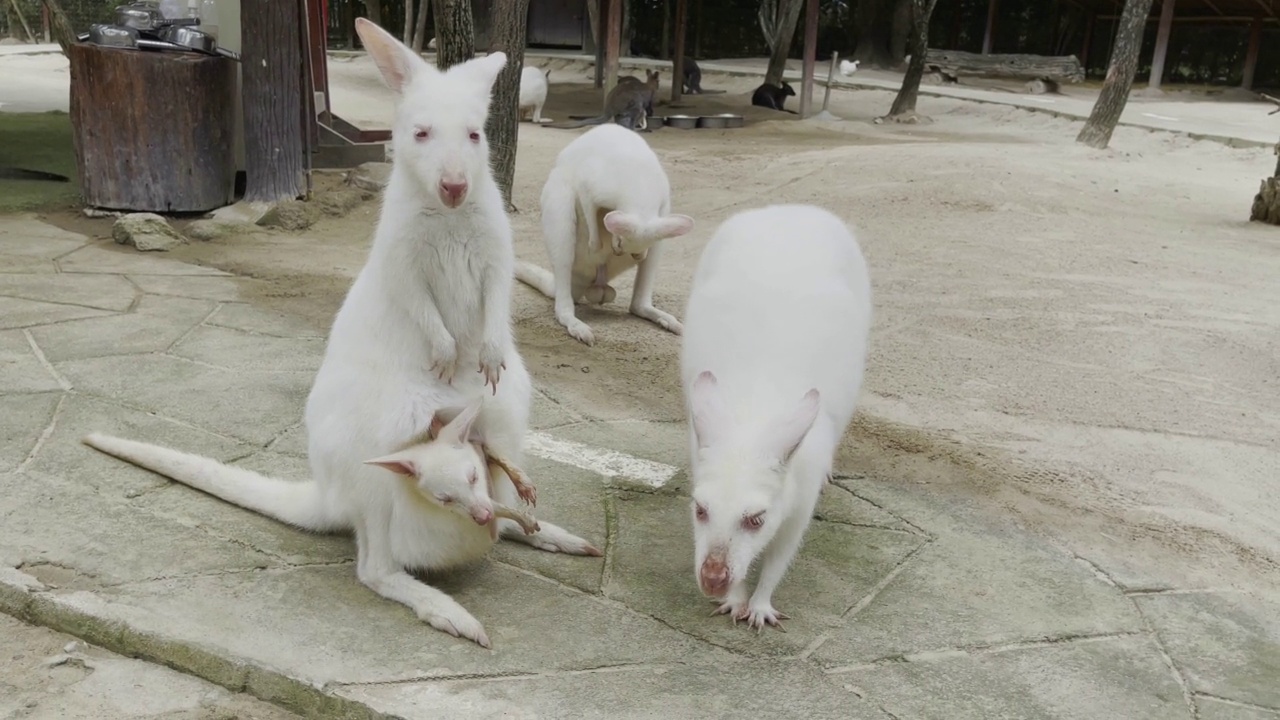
(295, 503)
(574, 124)
(539, 279)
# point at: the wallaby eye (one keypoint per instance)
(421, 133)
(472, 477)
(444, 498)
(475, 136)
(700, 512)
(753, 522)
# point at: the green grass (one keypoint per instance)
(37, 141)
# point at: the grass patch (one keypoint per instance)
(37, 141)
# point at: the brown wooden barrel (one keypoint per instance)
(153, 131)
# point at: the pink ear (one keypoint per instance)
(709, 413)
(788, 435)
(395, 61)
(672, 226)
(399, 466)
(620, 223)
(458, 430)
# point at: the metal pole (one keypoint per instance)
(810, 57)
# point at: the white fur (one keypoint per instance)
(432, 302)
(533, 91)
(612, 171)
(775, 344)
(848, 67)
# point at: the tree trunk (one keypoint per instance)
(508, 24)
(1097, 130)
(881, 31)
(1266, 204)
(408, 22)
(63, 33)
(271, 76)
(784, 32)
(373, 11)
(420, 32)
(904, 105)
(455, 32)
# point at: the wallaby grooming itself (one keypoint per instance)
(533, 91)
(426, 326)
(772, 96)
(608, 180)
(629, 104)
(774, 348)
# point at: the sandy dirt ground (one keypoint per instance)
(1078, 330)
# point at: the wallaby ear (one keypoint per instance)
(396, 62)
(458, 430)
(483, 70)
(787, 435)
(398, 463)
(710, 417)
(622, 223)
(670, 226)
(547, 73)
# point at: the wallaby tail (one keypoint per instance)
(539, 279)
(572, 124)
(295, 503)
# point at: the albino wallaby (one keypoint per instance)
(608, 180)
(533, 91)
(433, 298)
(775, 344)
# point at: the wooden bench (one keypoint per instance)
(1043, 73)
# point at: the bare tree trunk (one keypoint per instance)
(1097, 130)
(373, 11)
(508, 25)
(62, 30)
(420, 32)
(455, 32)
(271, 67)
(408, 21)
(904, 105)
(784, 32)
(882, 30)
(1266, 204)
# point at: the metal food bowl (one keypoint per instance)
(721, 121)
(683, 122)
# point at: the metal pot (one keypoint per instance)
(188, 37)
(139, 16)
(683, 122)
(112, 35)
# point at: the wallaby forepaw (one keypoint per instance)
(552, 538)
(445, 365)
(664, 320)
(492, 364)
(579, 331)
(759, 614)
(458, 623)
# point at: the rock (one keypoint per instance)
(212, 228)
(371, 176)
(289, 215)
(340, 202)
(241, 212)
(92, 212)
(146, 232)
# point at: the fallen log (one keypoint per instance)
(951, 64)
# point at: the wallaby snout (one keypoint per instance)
(452, 192)
(714, 576)
(482, 514)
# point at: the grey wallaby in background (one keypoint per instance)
(629, 104)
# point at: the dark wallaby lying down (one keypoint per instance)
(772, 96)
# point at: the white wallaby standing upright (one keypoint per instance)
(607, 181)
(774, 349)
(424, 330)
(533, 91)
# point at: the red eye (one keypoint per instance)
(701, 512)
(421, 134)
(473, 477)
(753, 522)
(475, 137)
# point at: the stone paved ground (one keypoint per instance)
(906, 605)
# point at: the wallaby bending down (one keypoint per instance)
(425, 327)
(693, 79)
(774, 348)
(772, 96)
(533, 91)
(629, 104)
(608, 180)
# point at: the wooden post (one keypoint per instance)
(1162, 44)
(831, 74)
(1251, 55)
(987, 35)
(612, 46)
(810, 57)
(601, 32)
(44, 23)
(271, 68)
(677, 65)
(1088, 42)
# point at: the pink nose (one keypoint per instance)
(452, 193)
(482, 516)
(713, 577)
